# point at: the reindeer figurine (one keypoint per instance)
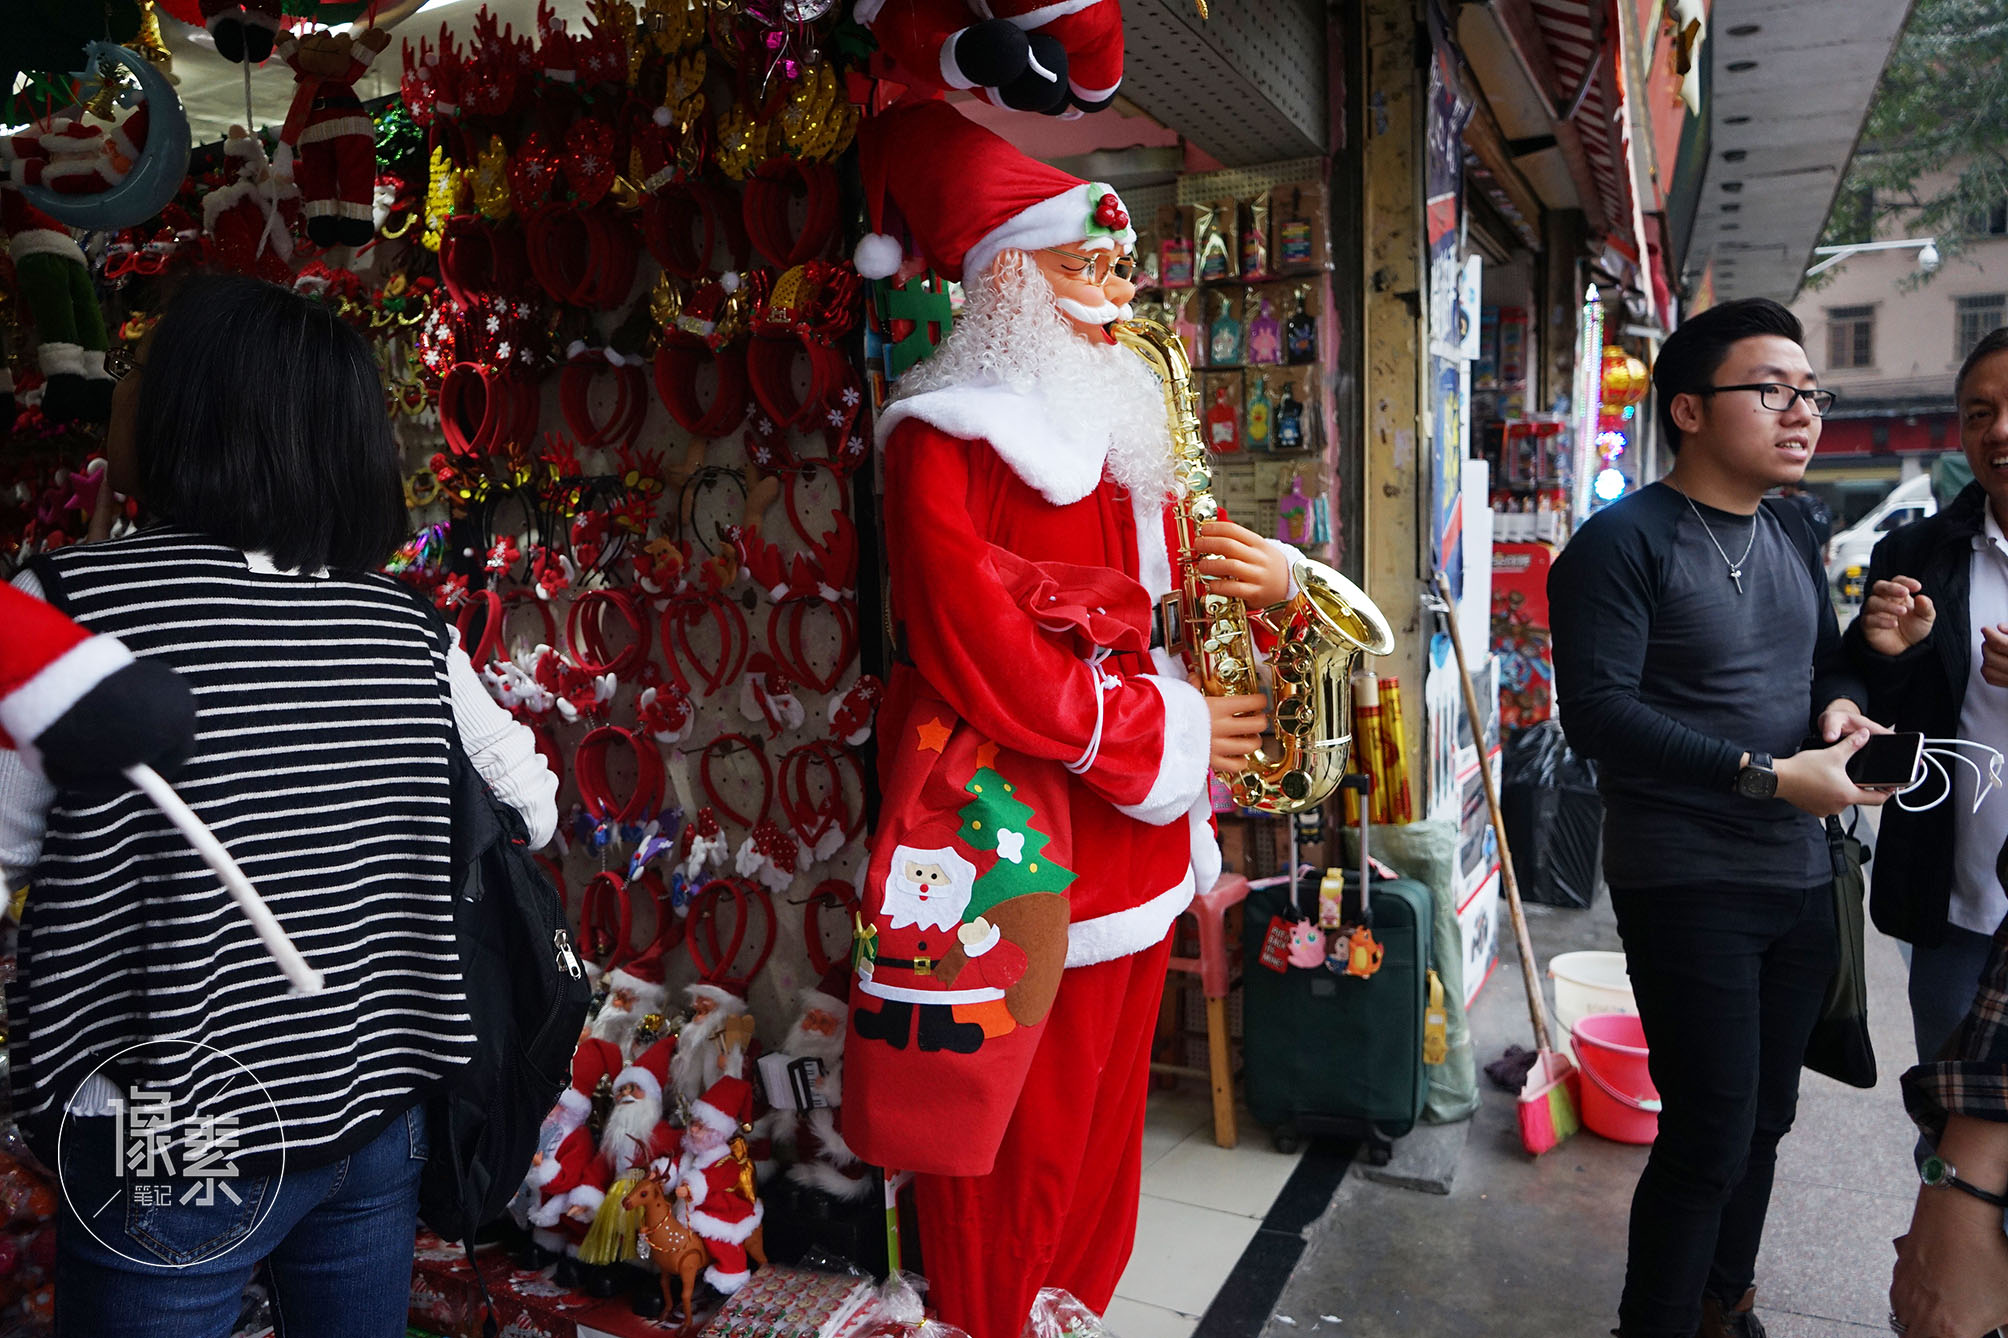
(673, 1247)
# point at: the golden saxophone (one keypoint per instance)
(1320, 632)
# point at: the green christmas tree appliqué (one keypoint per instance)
(996, 819)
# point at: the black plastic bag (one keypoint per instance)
(1554, 818)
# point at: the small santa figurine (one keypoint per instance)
(634, 1136)
(565, 1153)
(634, 994)
(716, 1183)
(822, 1160)
(718, 1024)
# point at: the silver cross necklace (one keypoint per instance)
(1736, 566)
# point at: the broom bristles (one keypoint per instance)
(1547, 1104)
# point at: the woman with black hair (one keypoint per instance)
(203, 1118)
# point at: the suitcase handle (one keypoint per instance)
(1363, 785)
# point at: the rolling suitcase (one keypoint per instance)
(1330, 1053)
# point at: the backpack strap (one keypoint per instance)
(1796, 525)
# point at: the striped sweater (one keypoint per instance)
(321, 763)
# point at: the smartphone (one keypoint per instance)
(1887, 761)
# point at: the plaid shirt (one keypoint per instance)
(1976, 1082)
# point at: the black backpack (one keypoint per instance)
(527, 993)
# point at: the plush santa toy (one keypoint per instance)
(1029, 462)
(248, 222)
(1030, 55)
(79, 708)
(822, 1160)
(330, 132)
(634, 993)
(634, 1137)
(716, 1182)
(55, 287)
(564, 1154)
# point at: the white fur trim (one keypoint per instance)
(640, 1077)
(60, 359)
(336, 127)
(576, 1103)
(94, 365)
(727, 1283)
(1094, 94)
(585, 1196)
(1107, 937)
(712, 1117)
(44, 242)
(821, 1175)
(835, 1150)
(1053, 222)
(1050, 458)
(878, 256)
(1182, 766)
(732, 1233)
(901, 994)
(338, 209)
(1205, 846)
(60, 684)
(542, 1173)
(951, 73)
(1153, 559)
(728, 1002)
(547, 1239)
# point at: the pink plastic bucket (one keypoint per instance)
(1619, 1100)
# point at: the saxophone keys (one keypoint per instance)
(1230, 671)
(1296, 786)
(1205, 509)
(1292, 661)
(1295, 717)
(1217, 606)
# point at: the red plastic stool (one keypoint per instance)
(1209, 911)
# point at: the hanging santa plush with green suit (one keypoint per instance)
(55, 287)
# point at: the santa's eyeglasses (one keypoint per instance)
(1100, 265)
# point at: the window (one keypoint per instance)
(1899, 518)
(1975, 317)
(1991, 221)
(1851, 336)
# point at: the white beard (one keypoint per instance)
(940, 909)
(616, 1025)
(624, 1140)
(803, 1043)
(693, 1066)
(1010, 332)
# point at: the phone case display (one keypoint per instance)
(1302, 235)
(1221, 411)
(1255, 238)
(1216, 240)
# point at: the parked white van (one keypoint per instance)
(1848, 555)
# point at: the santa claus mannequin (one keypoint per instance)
(633, 992)
(1030, 440)
(715, 1182)
(822, 1160)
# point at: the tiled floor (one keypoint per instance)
(1202, 1204)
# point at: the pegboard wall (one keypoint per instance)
(1247, 85)
(1241, 183)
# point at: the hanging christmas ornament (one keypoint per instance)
(158, 166)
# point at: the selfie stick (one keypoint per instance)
(306, 980)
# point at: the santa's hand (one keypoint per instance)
(978, 936)
(865, 971)
(579, 1212)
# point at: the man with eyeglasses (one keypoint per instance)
(1932, 641)
(1695, 651)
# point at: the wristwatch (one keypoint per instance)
(1757, 780)
(1939, 1173)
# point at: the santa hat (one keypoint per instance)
(831, 994)
(650, 1069)
(967, 195)
(725, 1105)
(728, 1000)
(79, 707)
(593, 1060)
(642, 978)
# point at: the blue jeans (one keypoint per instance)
(1729, 982)
(336, 1239)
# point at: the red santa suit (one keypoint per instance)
(969, 470)
(556, 1174)
(714, 1182)
(336, 143)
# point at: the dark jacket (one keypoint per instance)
(1921, 689)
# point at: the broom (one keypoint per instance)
(1547, 1099)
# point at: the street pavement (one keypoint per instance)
(1526, 1246)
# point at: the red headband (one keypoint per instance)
(684, 612)
(784, 641)
(813, 819)
(830, 892)
(480, 649)
(606, 920)
(623, 425)
(668, 216)
(677, 363)
(581, 257)
(704, 914)
(590, 764)
(585, 634)
(769, 191)
(748, 821)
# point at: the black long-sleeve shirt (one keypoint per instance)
(1665, 675)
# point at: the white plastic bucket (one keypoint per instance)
(1587, 983)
